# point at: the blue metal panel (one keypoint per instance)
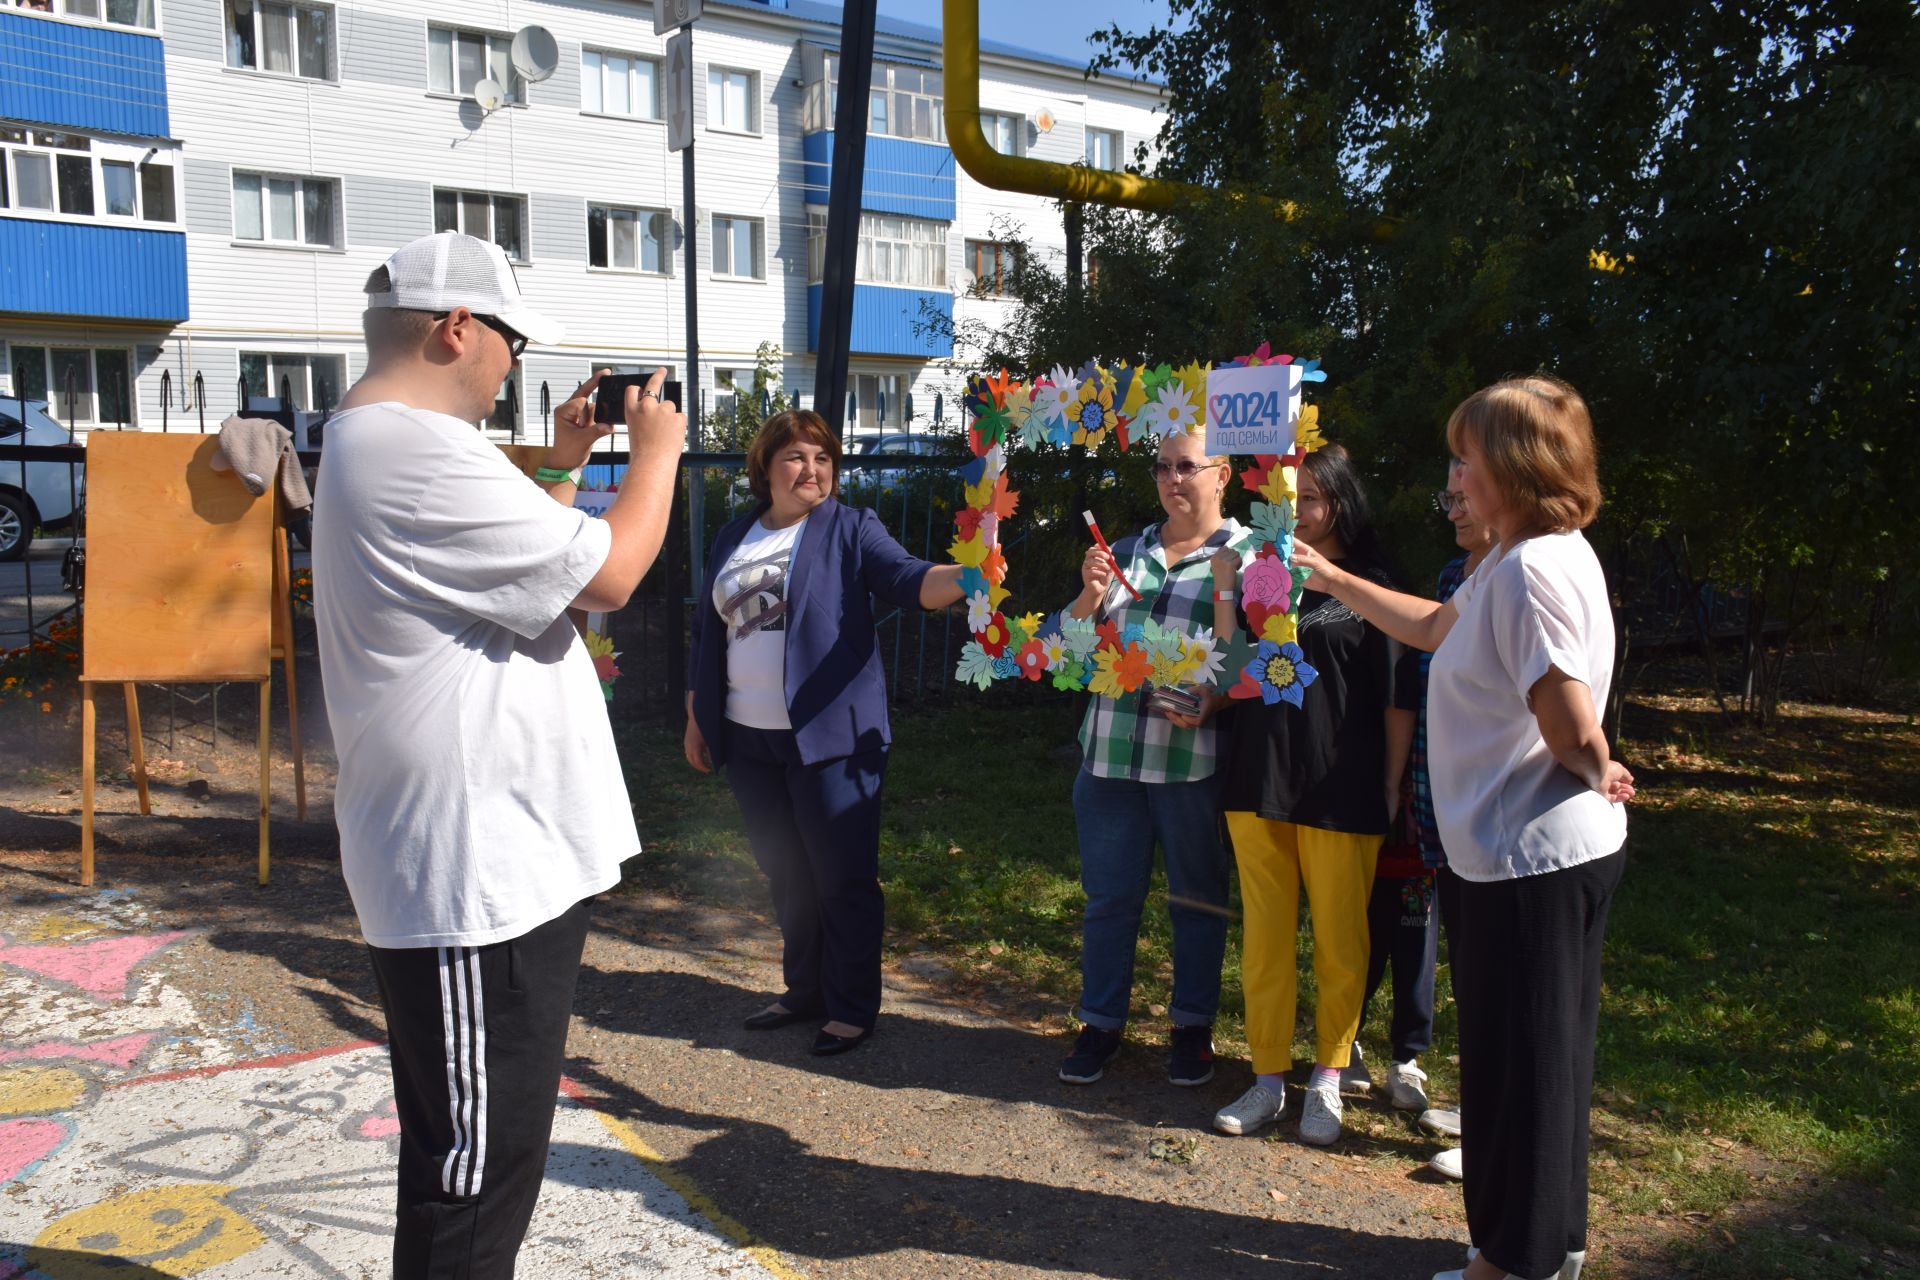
(82, 77)
(79, 270)
(912, 178)
(887, 321)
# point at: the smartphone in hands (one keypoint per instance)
(610, 397)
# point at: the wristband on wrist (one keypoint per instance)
(555, 475)
(1224, 597)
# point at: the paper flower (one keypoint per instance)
(1271, 521)
(967, 521)
(1306, 432)
(1282, 672)
(1032, 659)
(1078, 635)
(976, 666)
(1071, 676)
(1267, 581)
(1181, 410)
(1091, 413)
(1005, 667)
(1055, 649)
(1280, 627)
(968, 551)
(979, 610)
(993, 636)
(1118, 671)
(600, 649)
(1205, 657)
(1054, 396)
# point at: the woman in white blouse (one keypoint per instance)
(1530, 808)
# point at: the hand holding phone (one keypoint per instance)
(609, 402)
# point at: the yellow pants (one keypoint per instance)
(1337, 867)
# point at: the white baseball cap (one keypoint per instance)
(448, 270)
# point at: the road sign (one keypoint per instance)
(679, 90)
(669, 15)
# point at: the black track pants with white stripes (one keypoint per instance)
(477, 1035)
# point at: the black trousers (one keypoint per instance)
(477, 1036)
(1527, 977)
(815, 831)
(1400, 922)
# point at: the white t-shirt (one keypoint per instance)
(1506, 807)
(479, 793)
(750, 595)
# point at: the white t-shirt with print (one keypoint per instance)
(1506, 808)
(480, 794)
(750, 595)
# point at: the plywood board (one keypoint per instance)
(525, 456)
(179, 563)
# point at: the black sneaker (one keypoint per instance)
(1091, 1054)
(1190, 1058)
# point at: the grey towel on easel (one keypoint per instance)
(254, 448)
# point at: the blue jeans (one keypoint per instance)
(1119, 822)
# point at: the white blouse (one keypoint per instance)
(1506, 807)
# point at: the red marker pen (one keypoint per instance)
(1101, 542)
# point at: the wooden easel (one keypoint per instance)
(187, 583)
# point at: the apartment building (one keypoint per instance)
(194, 191)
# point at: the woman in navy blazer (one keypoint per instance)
(785, 692)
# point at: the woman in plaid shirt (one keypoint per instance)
(1147, 777)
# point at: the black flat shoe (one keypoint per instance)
(773, 1020)
(826, 1044)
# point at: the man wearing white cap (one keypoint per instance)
(480, 800)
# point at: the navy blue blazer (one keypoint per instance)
(836, 690)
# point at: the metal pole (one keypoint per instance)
(690, 390)
(843, 211)
(1075, 232)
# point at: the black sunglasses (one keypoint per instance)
(515, 342)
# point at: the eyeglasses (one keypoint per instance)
(1446, 500)
(515, 342)
(1183, 470)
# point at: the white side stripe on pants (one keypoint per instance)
(463, 1026)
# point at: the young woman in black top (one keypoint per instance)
(1309, 793)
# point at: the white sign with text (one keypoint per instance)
(593, 501)
(1252, 409)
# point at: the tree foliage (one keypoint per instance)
(1701, 214)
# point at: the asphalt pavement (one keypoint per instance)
(30, 590)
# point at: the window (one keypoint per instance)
(281, 38)
(501, 219)
(880, 401)
(311, 381)
(991, 264)
(88, 384)
(459, 60)
(733, 100)
(893, 250)
(280, 210)
(617, 84)
(627, 239)
(80, 177)
(123, 13)
(1005, 134)
(903, 102)
(739, 248)
(1104, 148)
(728, 386)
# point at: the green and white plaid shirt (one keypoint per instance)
(1117, 738)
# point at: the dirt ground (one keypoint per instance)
(946, 1147)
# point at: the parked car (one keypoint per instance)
(49, 494)
(895, 445)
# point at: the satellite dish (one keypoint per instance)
(535, 54)
(1043, 121)
(490, 94)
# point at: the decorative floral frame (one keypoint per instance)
(1132, 403)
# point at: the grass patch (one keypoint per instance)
(1759, 1056)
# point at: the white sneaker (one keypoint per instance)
(1354, 1080)
(1407, 1086)
(1449, 1164)
(1442, 1121)
(1254, 1109)
(1320, 1122)
(1570, 1269)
